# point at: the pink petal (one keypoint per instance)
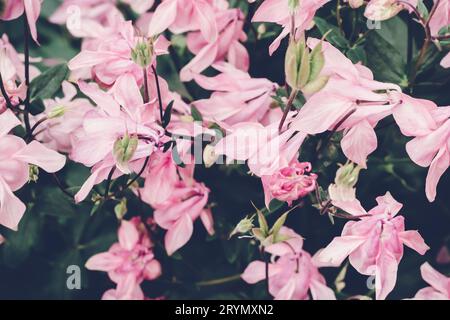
(128, 235)
(336, 252)
(32, 9)
(414, 240)
(205, 17)
(41, 156)
(104, 261)
(435, 279)
(437, 168)
(359, 142)
(11, 208)
(179, 234)
(320, 291)
(8, 121)
(163, 17)
(385, 274)
(208, 221)
(202, 60)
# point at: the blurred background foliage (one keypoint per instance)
(56, 233)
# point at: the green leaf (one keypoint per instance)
(167, 114)
(357, 54)
(262, 221)
(423, 10)
(277, 226)
(384, 60)
(335, 36)
(48, 83)
(196, 114)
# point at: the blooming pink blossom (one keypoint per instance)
(379, 10)
(439, 288)
(112, 58)
(374, 244)
(227, 45)
(185, 15)
(289, 183)
(351, 101)
(278, 11)
(15, 158)
(237, 97)
(128, 262)
(65, 118)
(15, 8)
(118, 115)
(293, 272)
(430, 125)
(439, 20)
(177, 214)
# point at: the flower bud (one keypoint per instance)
(379, 10)
(123, 150)
(303, 67)
(143, 52)
(57, 112)
(244, 226)
(33, 173)
(121, 209)
(348, 175)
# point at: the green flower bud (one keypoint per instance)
(57, 112)
(123, 150)
(293, 5)
(33, 173)
(347, 175)
(244, 226)
(121, 209)
(303, 67)
(143, 52)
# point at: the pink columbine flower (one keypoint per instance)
(65, 119)
(177, 214)
(128, 262)
(226, 46)
(352, 101)
(440, 19)
(15, 158)
(374, 244)
(117, 119)
(430, 125)
(279, 12)
(185, 15)
(237, 97)
(289, 183)
(292, 272)
(439, 288)
(113, 55)
(379, 10)
(15, 8)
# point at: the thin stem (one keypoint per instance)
(108, 183)
(292, 97)
(338, 14)
(146, 93)
(60, 186)
(218, 281)
(5, 94)
(266, 263)
(36, 125)
(139, 174)
(26, 36)
(158, 89)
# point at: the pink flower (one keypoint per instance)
(351, 101)
(289, 183)
(441, 17)
(430, 125)
(278, 11)
(177, 214)
(128, 262)
(379, 10)
(374, 244)
(185, 15)
(237, 97)
(117, 118)
(226, 45)
(439, 285)
(66, 119)
(112, 58)
(15, 8)
(15, 158)
(292, 272)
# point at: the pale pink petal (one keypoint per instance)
(179, 234)
(207, 220)
(128, 235)
(202, 60)
(11, 208)
(238, 56)
(338, 249)
(204, 15)
(359, 142)
(287, 292)
(414, 240)
(435, 279)
(32, 9)
(104, 261)
(163, 17)
(437, 168)
(8, 121)
(320, 291)
(385, 274)
(41, 156)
